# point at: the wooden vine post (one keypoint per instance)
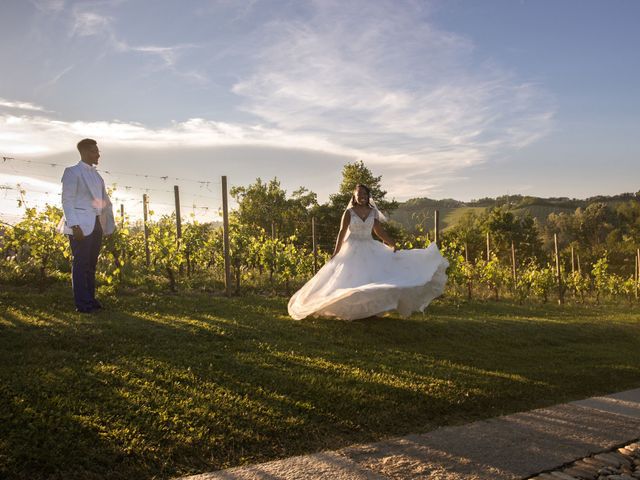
(225, 238)
(145, 213)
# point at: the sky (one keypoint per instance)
(445, 99)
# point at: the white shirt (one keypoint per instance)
(95, 185)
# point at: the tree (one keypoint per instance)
(266, 205)
(528, 240)
(504, 228)
(468, 231)
(593, 224)
(623, 240)
(352, 174)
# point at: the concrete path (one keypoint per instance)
(510, 447)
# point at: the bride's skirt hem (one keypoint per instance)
(375, 299)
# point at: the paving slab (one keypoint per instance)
(503, 448)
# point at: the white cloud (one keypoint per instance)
(90, 23)
(49, 6)
(169, 58)
(40, 135)
(87, 23)
(17, 105)
(27, 182)
(376, 81)
(167, 54)
(380, 79)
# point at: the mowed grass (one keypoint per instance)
(160, 386)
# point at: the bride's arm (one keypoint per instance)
(384, 236)
(346, 218)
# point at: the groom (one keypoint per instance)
(88, 214)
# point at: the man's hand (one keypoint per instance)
(77, 232)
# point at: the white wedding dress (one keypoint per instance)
(367, 278)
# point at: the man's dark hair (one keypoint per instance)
(86, 143)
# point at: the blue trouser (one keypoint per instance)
(83, 272)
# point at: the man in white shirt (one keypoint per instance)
(88, 214)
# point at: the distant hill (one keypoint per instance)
(420, 211)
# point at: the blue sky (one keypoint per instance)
(446, 99)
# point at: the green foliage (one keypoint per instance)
(493, 274)
(600, 273)
(243, 254)
(34, 248)
(198, 251)
(591, 226)
(119, 252)
(358, 173)
(505, 228)
(418, 239)
(266, 206)
(540, 281)
(462, 274)
(578, 284)
(167, 251)
(271, 247)
(468, 230)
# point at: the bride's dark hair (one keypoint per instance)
(366, 189)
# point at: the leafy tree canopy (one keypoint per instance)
(265, 205)
(353, 174)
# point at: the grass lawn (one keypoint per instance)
(159, 385)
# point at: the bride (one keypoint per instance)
(364, 277)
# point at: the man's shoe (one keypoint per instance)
(85, 310)
(97, 305)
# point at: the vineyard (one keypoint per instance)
(142, 254)
(496, 248)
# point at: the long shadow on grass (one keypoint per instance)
(193, 384)
(464, 356)
(352, 374)
(46, 423)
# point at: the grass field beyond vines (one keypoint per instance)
(160, 386)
